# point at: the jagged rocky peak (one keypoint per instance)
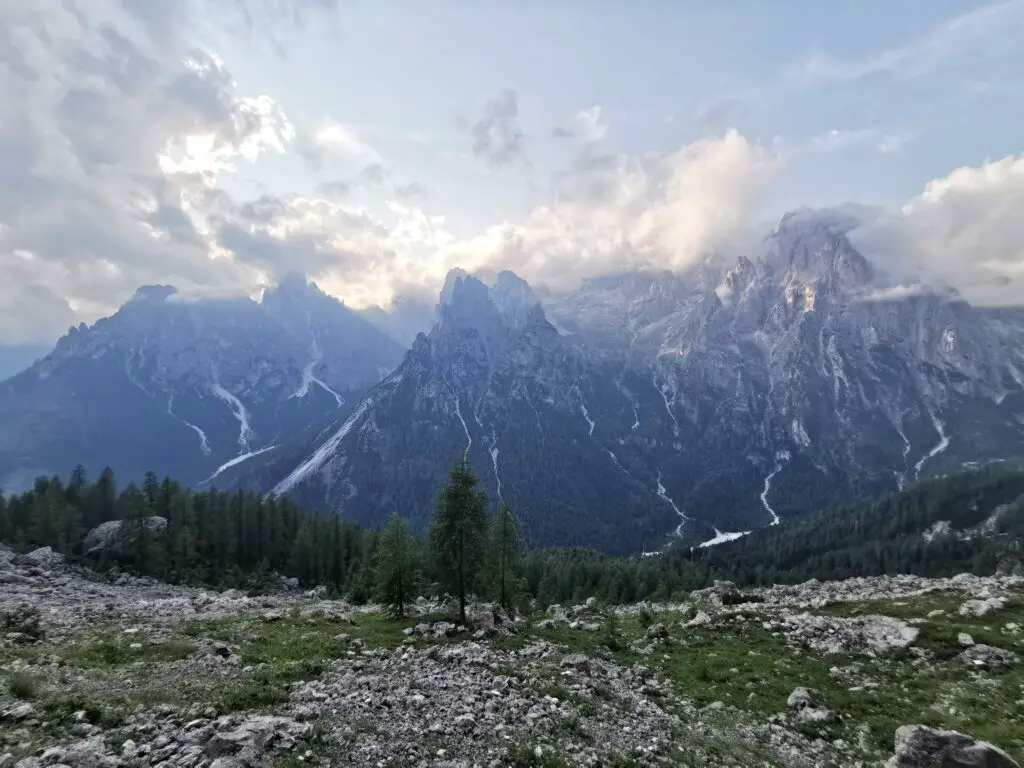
(468, 300)
(812, 245)
(293, 287)
(465, 300)
(451, 280)
(514, 299)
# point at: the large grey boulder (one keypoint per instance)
(918, 746)
(44, 557)
(104, 537)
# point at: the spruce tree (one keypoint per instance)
(396, 564)
(458, 533)
(506, 556)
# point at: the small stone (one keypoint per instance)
(965, 639)
(800, 698)
(576, 661)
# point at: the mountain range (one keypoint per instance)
(188, 388)
(638, 410)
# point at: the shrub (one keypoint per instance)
(23, 620)
(23, 686)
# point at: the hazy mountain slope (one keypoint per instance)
(185, 387)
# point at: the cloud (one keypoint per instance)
(414, 190)
(334, 135)
(588, 126)
(497, 137)
(374, 173)
(121, 129)
(334, 142)
(895, 143)
(983, 33)
(613, 213)
(608, 213)
(335, 190)
(840, 139)
(964, 231)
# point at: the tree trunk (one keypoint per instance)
(462, 580)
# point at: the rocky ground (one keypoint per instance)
(102, 671)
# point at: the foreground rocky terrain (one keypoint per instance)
(116, 671)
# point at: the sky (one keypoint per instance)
(218, 144)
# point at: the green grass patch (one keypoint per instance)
(116, 651)
(64, 707)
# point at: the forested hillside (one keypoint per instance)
(970, 522)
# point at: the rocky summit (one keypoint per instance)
(114, 670)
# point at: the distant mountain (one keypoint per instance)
(404, 320)
(189, 388)
(705, 403)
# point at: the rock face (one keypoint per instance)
(918, 746)
(706, 402)
(186, 387)
(493, 379)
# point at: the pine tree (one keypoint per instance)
(305, 554)
(397, 561)
(506, 556)
(458, 533)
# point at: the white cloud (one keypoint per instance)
(113, 174)
(609, 213)
(841, 139)
(588, 125)
(122, 129)
(982, 33)
(964, 231)
(334, 135)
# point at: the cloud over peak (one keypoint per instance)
(964, 230)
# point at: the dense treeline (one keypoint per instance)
(227, 539)
(244, 540)
(870, 538)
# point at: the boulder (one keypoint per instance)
(44, 557)
(105, 537)
(987, 657)
(982, 607)
(918, 746)
(807, 708)
(657, 632)
(862, 633)
(800, 698)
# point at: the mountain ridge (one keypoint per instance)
(707, 403)
(188, 386)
